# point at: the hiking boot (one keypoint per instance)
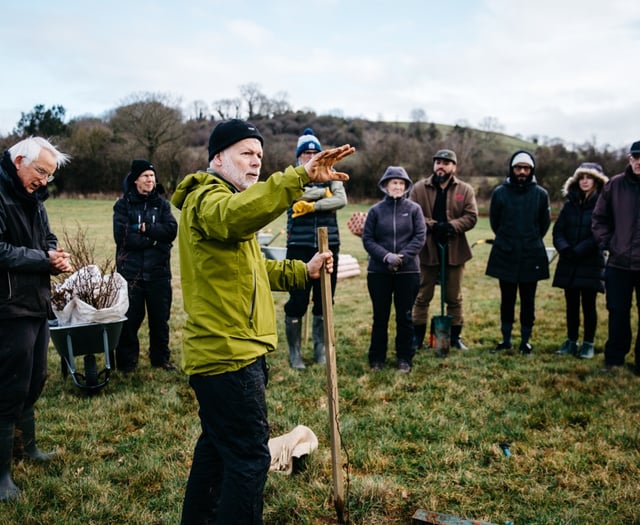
(404, 367)
(457, 343)
(525, 349)
(569, 347)
(586, 351)
(376, 367)
(501, 346)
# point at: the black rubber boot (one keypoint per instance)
(8, 489)
(456, 341)
(318, 340)
(293, 330)
(419, 331)
(27, 425)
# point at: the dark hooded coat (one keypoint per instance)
(520, 216)
(581, 262)
(143, 255)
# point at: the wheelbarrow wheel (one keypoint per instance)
(90, 370)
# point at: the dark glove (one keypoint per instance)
(440, 232)
(394, 261)
(451, 232)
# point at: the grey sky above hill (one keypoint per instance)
(547, 68)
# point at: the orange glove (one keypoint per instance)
(302, 208)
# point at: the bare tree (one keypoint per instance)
(491, 124)
(252, 95)
(227, 108)
(418, 115)
(200, 110)
(150, 120)
(280, 104)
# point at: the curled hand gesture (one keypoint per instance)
(320, 166)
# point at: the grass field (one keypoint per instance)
(427, 440)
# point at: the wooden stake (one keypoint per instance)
(332, 378)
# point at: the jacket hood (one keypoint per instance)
(590, 168)
(395, 172)
(190, 183)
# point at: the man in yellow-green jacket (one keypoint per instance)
(231, 320)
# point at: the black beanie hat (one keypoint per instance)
(229, 132)
(138, 166)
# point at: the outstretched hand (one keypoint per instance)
(320, 166)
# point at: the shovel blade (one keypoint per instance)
(442, 332)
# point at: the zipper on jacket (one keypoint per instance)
(252, 309)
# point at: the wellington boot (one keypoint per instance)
(318, 340)
(27, 426)
(293, 330)
(8, 489)
(456, 340)
(419, 331)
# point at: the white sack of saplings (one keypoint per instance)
(87, 296)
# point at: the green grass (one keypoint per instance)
(429, 439)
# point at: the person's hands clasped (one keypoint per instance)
(317, 262)
(59, 261)
(320, 167)
(393, 260)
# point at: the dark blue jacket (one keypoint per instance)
(520, 218)
(143, 255)
(394, 225)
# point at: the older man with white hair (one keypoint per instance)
(29, 255)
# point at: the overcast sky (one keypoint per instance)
(554, 68)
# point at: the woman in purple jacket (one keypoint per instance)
(394, 233)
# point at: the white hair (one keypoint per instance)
(30, 148)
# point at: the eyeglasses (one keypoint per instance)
(635, 156)
(43, 174)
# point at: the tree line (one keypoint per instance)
(154, 127)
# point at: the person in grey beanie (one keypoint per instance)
(393, 235)
(520, 216)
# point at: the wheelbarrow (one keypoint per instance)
(87, 341)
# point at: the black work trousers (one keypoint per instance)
(401, 289)
(24, 343)
(154, 299)
(620, 286)
(231, 458)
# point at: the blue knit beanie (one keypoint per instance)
(307, 141)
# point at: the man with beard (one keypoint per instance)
(450, 209)
(231, 318)
(616, 228)
(520, 216)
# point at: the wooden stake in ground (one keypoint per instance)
(332, 378)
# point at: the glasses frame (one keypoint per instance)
(43, 174)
